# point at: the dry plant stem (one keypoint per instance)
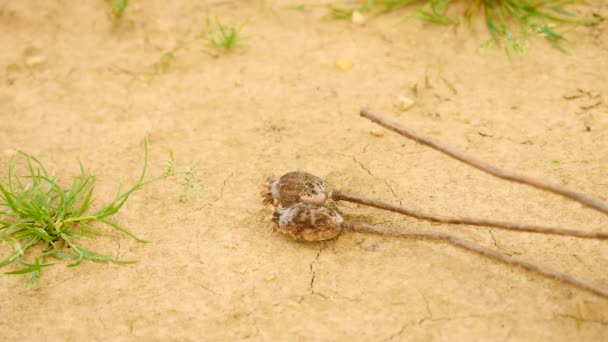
(481, 250)
(485, 167)
(340, 196)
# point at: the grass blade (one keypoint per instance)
(29, 267)
(124, 230)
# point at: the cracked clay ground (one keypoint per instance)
(215, 268)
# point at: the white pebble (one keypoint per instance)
(34, 61)
(344, 64)
(377, 132)
(405, 102)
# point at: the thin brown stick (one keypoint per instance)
(340, 196)
(481, 250)
(484, 166)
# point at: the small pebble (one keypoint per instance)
(405, 103)
(344, 64)
(358, 18)
(377, 132)
(34, 61)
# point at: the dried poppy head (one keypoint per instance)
(308, 222)
(296, 187)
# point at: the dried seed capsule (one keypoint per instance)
(308, 222)
(298, 187)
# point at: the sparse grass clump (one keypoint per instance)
(117, 7)
(191, 183)
(163, 63)
(39, 216)
(222, 37)
(510, 22)
(165, 60)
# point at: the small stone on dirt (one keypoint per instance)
(377, 132)
(404, 103)
(344, 64)
(34, 61)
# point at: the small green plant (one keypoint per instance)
(222, 37)
(117, 7)
(166, 58)
(38, 214)
(510, 22)
(191, 184)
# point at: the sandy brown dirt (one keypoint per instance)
(215, 269)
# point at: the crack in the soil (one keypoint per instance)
(429, 313)
(398, 333)
(362, 166)
(439, 319)
(427, 317)
(313, 273)
(496, 242)
(221, 195)
(369, 172)
(205, 288)
(390, 188)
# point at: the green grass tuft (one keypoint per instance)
(35, 210)
(117, 7)
(511, 23)
(222, 37)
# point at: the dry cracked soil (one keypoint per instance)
(77, 84)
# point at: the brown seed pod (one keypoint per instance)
(308, 222)
(297, 187)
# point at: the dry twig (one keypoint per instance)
(484, 166)
(340, 196)
(481, 250)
